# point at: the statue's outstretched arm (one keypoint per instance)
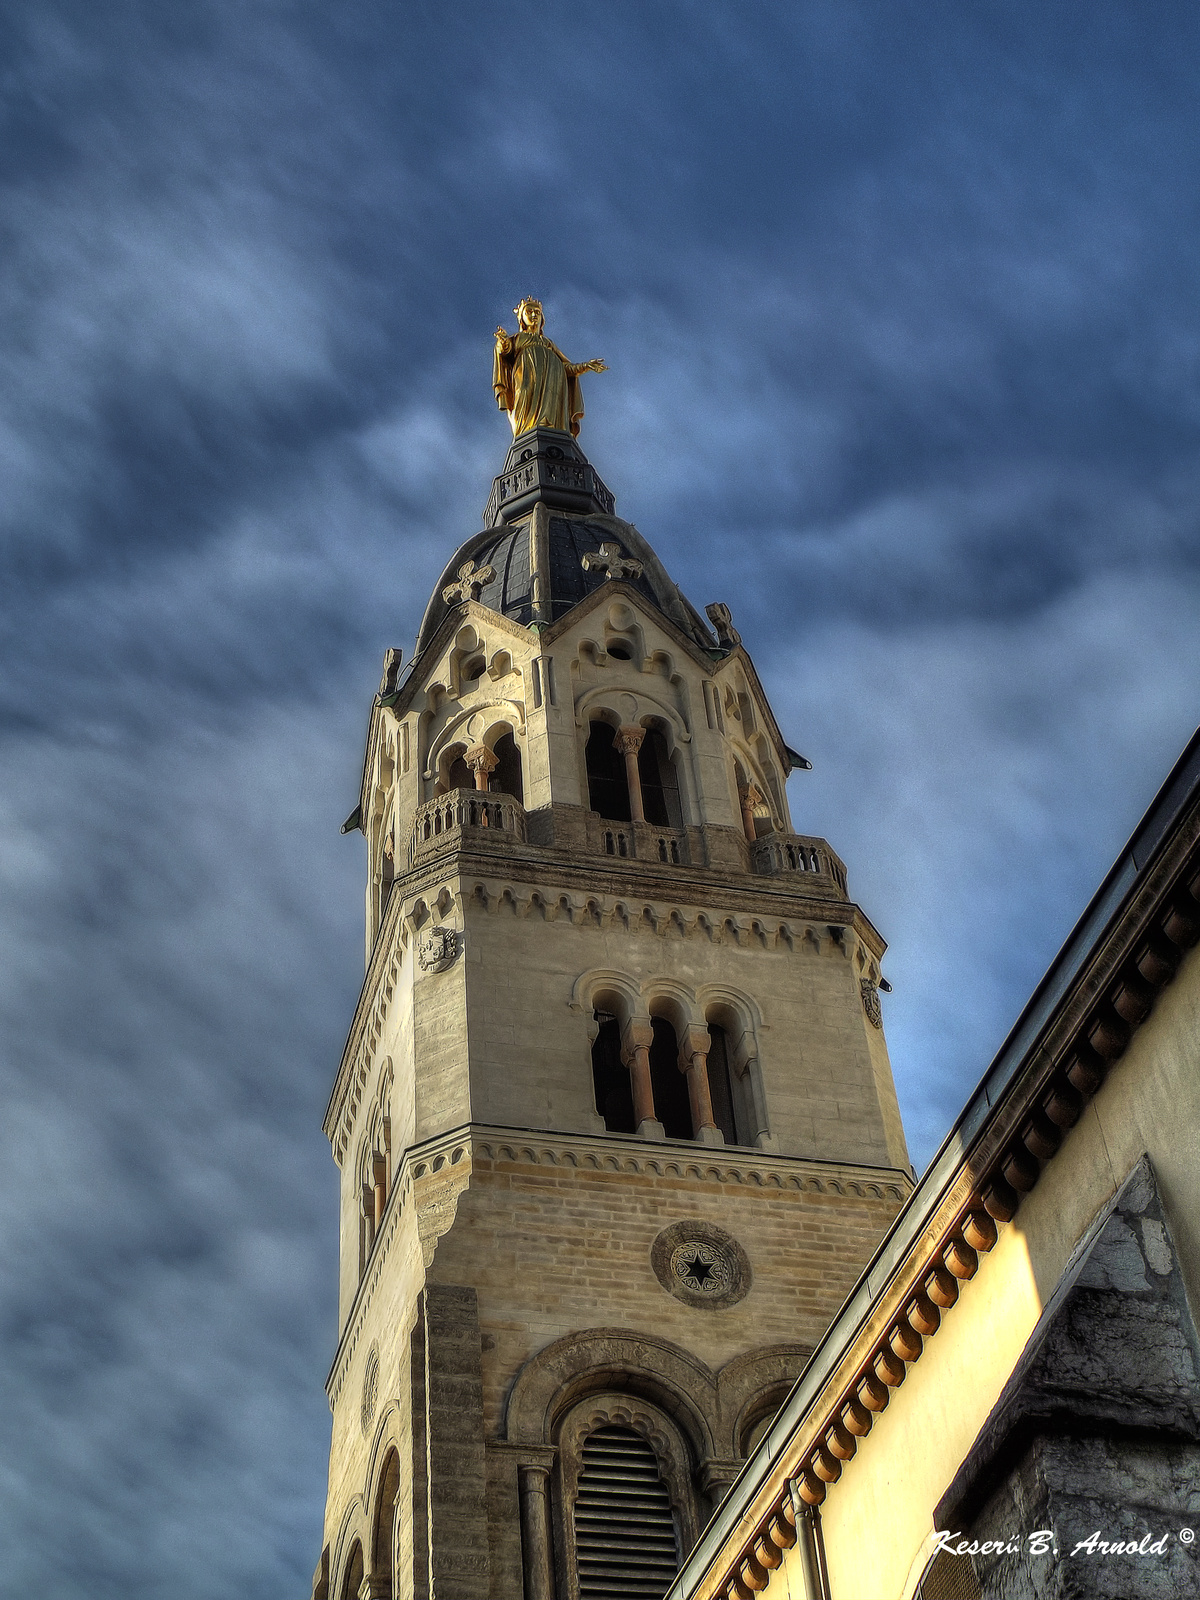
(502, 370)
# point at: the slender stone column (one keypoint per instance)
(379, 1186)
(643, 1089)
(629, 741)
(693, 1060)
(533, 1485)
(639, 1036)
(750, 797)
(700, 1099)
(481, 762)
(368, 1207)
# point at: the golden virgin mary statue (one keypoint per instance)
(533, 380)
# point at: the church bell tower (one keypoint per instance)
(615, 1121)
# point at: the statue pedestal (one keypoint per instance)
(546, 465)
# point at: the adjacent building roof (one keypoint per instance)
(1074, 1001)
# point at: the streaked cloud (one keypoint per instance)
(899, 308)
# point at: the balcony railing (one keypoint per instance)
(781, 854)
(639, 841)
(463, 809)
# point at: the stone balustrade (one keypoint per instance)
(639, 841)
(781, 854)
(463, 809)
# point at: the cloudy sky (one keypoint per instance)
(899, 302)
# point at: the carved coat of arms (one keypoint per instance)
(437, 948)
(870, 1000)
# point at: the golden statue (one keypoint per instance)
(533, 380)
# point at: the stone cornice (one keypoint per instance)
(1125, 950)
(631, 878)
(478, 1147)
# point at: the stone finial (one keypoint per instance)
(614, 562)
(470, 581)
(727, 635)
(391, 671)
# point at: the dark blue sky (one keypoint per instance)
(900, 307)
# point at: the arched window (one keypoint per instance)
(506, 776)
(352, 1582)
(608, 791)
(610, 1076)
(625, 1538)
(660, 782)
(383, 1553)
(722, 1089)
(670, 1086)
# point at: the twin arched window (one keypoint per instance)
(672, 1104)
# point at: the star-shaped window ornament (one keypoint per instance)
(698, 1270)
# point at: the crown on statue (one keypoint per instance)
(528, 303)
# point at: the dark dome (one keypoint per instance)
(548, 471)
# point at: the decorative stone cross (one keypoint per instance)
(615, 562)
(469, 583)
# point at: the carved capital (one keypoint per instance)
(628, 740)
(695, 1041)
(480, 759)
(636, 1035)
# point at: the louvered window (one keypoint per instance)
(625, 1541)
(949, 1577)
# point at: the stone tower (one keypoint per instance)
(615, 1120)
